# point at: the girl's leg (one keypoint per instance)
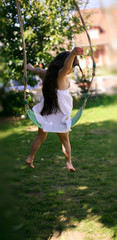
(35, 146)
(66, 147)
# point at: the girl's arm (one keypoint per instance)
(37, 70)
(69, 61)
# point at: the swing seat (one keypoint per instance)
(74, 120)
(32, 117)
(76, 117)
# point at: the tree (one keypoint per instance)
(46, 24)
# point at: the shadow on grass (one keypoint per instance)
(37, 202)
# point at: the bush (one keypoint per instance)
(95, 101)
(13, 103)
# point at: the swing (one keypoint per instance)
(29, 112)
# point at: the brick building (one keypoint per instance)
(103, 34)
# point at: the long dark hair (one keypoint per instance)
(50, 83)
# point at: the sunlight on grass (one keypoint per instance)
(97, 114)
(82, 188)
(23, 167)
(60, 192)
(94, 229)
(88, 229)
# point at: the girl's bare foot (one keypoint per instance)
(29, 162)
(70, 167)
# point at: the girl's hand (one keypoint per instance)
(77, 51)
(30, 67)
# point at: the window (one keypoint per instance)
(94, 33)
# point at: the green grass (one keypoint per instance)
(38, 203)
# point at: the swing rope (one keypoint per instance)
(79, 113)
(24, 51)
(91, 49)
(30, 113)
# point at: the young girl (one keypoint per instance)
(53, 112)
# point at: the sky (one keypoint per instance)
(101, 3)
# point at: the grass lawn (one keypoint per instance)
(48, 202)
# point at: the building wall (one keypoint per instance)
(103, 34)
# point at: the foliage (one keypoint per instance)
(95, 101)
(47, 24)
(85, 80)
(84, 85)
(31, 80)
(13, 103)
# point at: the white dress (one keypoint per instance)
(59, 122)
